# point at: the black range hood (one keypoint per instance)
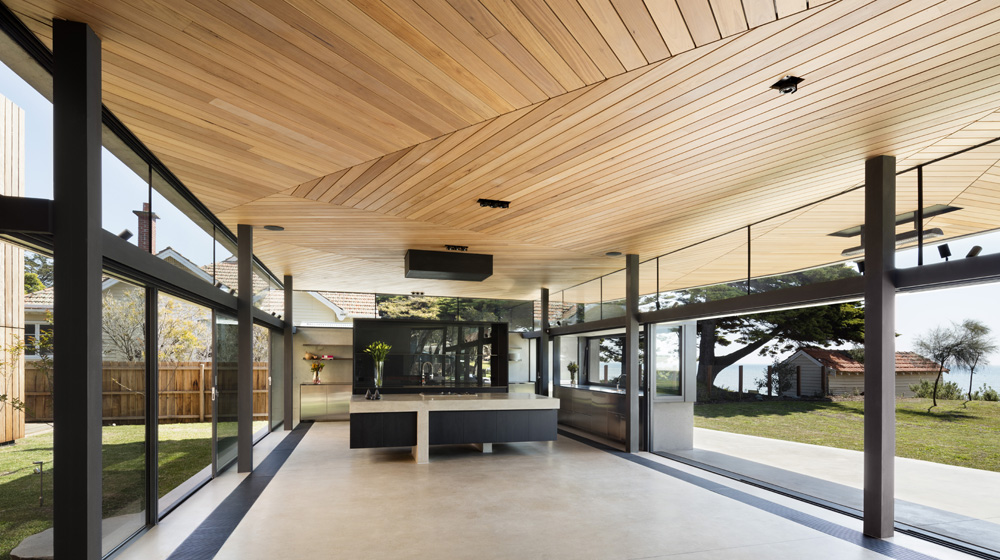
(448, 265)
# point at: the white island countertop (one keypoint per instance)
(434, 402)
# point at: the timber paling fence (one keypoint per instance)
(185, 392)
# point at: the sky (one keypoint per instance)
(125, 191)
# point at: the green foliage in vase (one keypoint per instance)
(378, 350)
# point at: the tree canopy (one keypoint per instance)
(40, 266)
(776, 332)
(32, 283)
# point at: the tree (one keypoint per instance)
(954, 344)
(40, 265)
(32, 283)
(42, 344)
(773, 333)
(122, 322)
(978, 348)
(183, 332)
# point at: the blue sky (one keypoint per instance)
(915, 313)
(124, 190)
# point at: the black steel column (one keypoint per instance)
(631, 353)
(556, 363)
(289, 382)
(880, 345)
(76, 111)
(152, 406)
(543, 347)
(244, 371)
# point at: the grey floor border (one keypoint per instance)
(206, 541)
(857, 538)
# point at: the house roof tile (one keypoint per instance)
(356, 304)
(906, 362)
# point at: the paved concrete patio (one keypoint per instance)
(954, 501)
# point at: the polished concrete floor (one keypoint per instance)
(564, 499)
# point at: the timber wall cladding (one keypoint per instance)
(185, 392)
(11, 273)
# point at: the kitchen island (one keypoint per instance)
(422, 420)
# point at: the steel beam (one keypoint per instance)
(25, 215)
(76, 115)
(960, 272)
(244, 371)
(880, 346)
(589, 326)
(825, 293)
(289, 331)
(631, 353)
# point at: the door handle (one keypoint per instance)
(268, 380)
(215, 393)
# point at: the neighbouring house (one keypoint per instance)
(835, 372)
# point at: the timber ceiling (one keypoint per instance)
(368, 127)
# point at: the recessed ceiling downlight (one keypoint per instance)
(613, 254)
(788, 84)
(274, 228)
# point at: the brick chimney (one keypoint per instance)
(147, 228)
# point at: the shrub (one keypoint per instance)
(988, 393)
(782, 379)
(948, 390)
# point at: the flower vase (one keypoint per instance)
(316, 380)
(379, 366)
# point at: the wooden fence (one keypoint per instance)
(185, 392)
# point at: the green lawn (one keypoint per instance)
(184, 449)
(949, 434)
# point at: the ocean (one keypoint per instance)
(729, 377)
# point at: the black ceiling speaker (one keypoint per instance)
(448, 265)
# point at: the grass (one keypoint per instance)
(950, 434)
(184, 450)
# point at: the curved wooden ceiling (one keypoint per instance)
(372, 126)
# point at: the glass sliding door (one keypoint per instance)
(276, 381)
(123, 449)
(224, 390)
(261, 382)
(185, 398)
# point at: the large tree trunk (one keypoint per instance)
(710, 364)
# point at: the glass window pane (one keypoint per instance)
(261, 375)
(613, 295)
(124, 405)
(667, 360)
(31, 115)
(947, 419)
(802, 248)
(26, 368)
(185, 397)
(582, 303)
(179, 235)
(648, 296)
(125, 208)
(709, 271)
(276, 380)
(226, 383)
